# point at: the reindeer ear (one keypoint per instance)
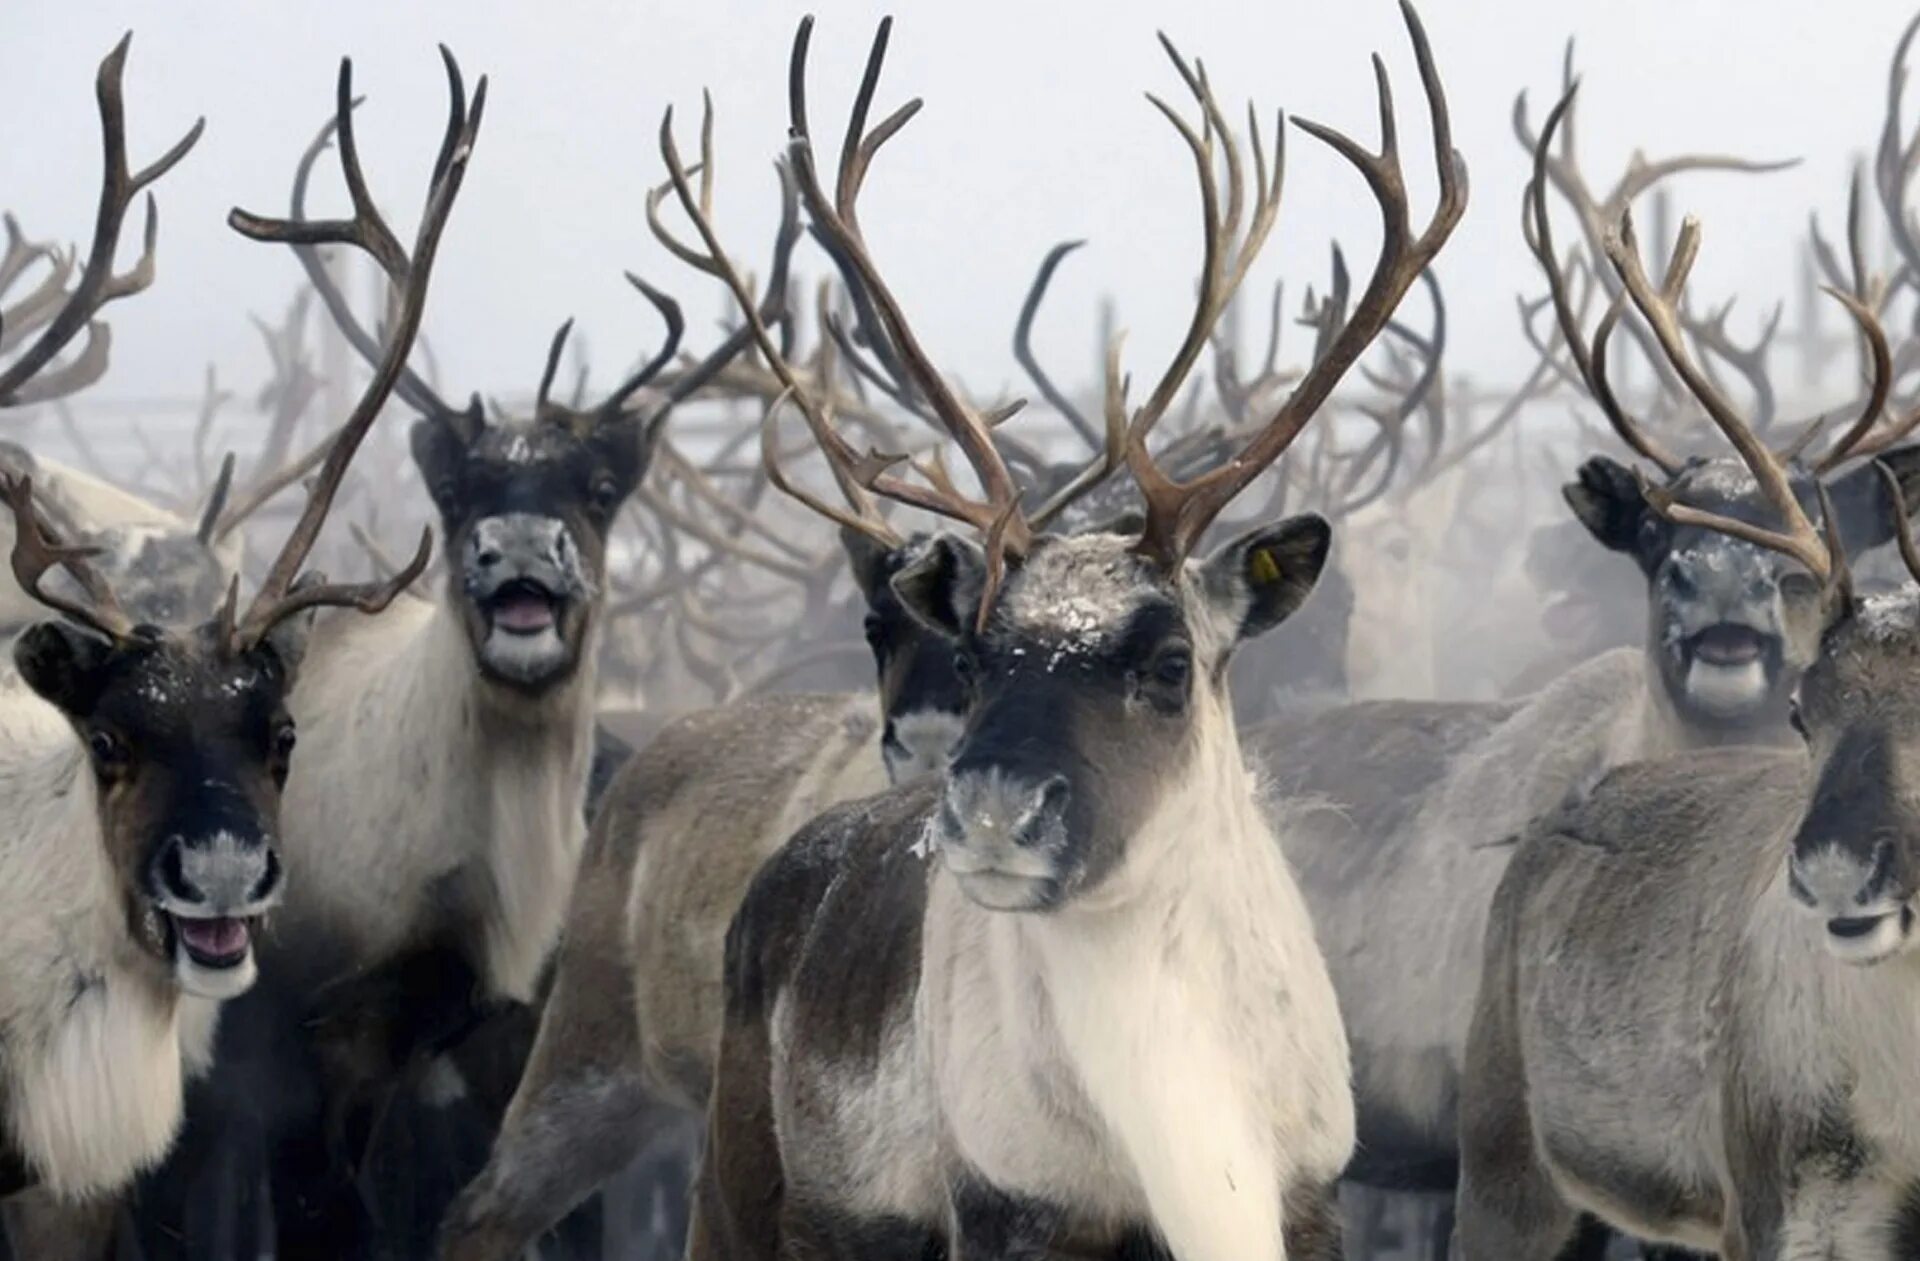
(438, 452)
(1607, 499)
(1861, 506)
(65, 665)
(867, 557)
(941, 585)
(1259, 579)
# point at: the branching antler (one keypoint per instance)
(408, 274)
(1659, 306)
(1178, 513)
(36, 553)
(21, 381)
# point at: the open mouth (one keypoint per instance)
(214, 942)
(523, 607)
(1728, 645)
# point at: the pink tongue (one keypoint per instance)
(523, 613)
(215, 938)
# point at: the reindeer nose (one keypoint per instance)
(1835, 881)
(221, 874)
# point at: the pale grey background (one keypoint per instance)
(1034, 130)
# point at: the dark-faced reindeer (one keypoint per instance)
(1070, 993)
(1399, 867)
(1693, 1021)
(164, 568)
(630, 1029)
(143, 772)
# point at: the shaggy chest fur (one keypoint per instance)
(418, 811)
(1172, 1057)
(89, 1027)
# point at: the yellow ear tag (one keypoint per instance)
(1263, 568)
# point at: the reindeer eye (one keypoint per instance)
(1793, 715)
(284, 738)
(964, 667)
(1174, 668)
(606, 495)
(106, 748)
(876, 631)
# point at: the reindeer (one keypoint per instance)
(1398, 864)
(143, 771)
(1101, 1010)
(629, 1030)
(1662, 1037)
(464, 729)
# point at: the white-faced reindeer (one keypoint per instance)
(632, 1023)
(1071, 993)
(1695, 1019)
(142, 772)
(1399, 866)
(444, 757)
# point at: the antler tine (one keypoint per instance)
(412, 388)
(21, 253)
(98, 285)
(554, 350)
(1226, 253)
(1112, 454)
(39, 305)
(1177, 514)
(1589, 361)
(772, 307)
(1659, 307)
(1749, 362)
(1894, 160)
(839, 222)
(367, 597)
(1023, 344)
(409, 275)
(216, 504)
(1902, 523)
(35, 553)
(1880, 355)
(863, 518)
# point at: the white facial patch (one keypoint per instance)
(1076, 593)
(920, 743)
(1726, 691)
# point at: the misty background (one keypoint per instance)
(1035, 130)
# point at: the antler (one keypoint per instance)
(98, 284)
(1178, 513)
(35, 552)
(998, 514)
(408, 275)
(1659, 307)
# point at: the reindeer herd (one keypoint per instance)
(579, 886)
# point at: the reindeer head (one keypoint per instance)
(1091, 681)
(526, 510)
(1856, 852)
(1723, 603)
(921, 696)
(1719, 608)
(1095, 664)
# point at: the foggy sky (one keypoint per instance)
(1035, 130)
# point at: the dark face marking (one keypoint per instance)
(188, 747)
(1083, 688)
(921, 697)
(526, 511)
(1856, 854)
